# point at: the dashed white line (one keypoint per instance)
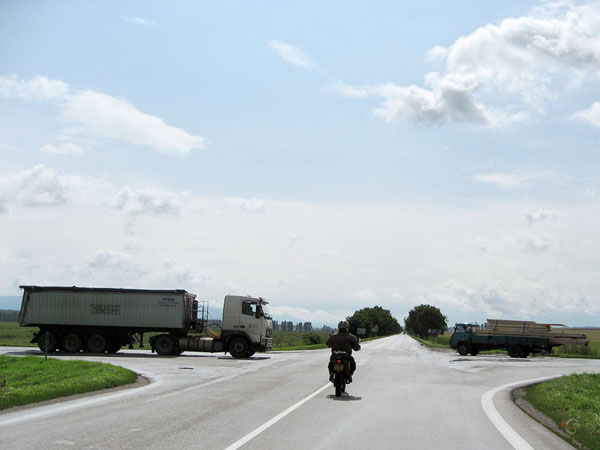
(275, 419)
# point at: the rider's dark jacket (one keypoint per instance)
(342, 340)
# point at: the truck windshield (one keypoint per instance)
(265, 309)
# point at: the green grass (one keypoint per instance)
(573, 403)
(33, 379)
(437, 342)
(11, 334)
(579, 351)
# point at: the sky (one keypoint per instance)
(327, 156)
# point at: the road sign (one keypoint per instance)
(361, 331)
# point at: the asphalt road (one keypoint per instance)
(404, 397)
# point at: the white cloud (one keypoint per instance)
(291, 54)
(503, 180)
(38, 88)
(67, 148)
(139, 21)
(38, 186)
(102, 116)
(527, 60)
(541, 215)
(147, 201)
(248, 205)
(590, 115)
(89, 114)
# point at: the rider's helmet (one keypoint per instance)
(343, 325)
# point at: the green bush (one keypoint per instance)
(311, 339)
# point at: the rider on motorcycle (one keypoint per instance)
(342, 341)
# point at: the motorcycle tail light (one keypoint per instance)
(339, 361)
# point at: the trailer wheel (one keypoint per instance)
(165, 345)
(463, 349)
(514, 351)
(239, 348)
(97, 343)
(52, 342)
(71, 343)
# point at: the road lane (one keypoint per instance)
(404, 396)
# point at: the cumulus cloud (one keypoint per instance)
(38, 88)
(290, 54)
(38, 186)
(139, 21)
(529, 60)
(90, 114)
(147, 201)
(591, 115)
(541, 215)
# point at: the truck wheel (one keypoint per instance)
(239, 348)
(164, 345)
(97, 343)
(524, 352)
(71, 343)
(514, 351)
(52, 342)
(463, 349)
(474, 351)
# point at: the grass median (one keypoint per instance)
(31, 379)
(573, 403)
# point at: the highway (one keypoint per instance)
(404, 396)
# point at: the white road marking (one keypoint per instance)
(275, 419)
(487, 403)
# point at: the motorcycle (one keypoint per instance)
(341, 370)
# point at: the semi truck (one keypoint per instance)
(103, 320)
(518, 338)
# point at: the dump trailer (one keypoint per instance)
(101, 320)
(518, 338)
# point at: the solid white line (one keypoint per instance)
(487, 403)
(275, 419)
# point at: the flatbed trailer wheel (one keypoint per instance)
(47, 337)
(514, 351)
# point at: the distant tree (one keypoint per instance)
(290, 326)
(299, 326)
(275, 325)
(376, 321)
(307, 326)
(326, 329)
(423, 318)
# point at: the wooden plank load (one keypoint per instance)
(558, 336)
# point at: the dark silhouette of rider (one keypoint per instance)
(345, 342)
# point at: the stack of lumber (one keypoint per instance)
(530, 328)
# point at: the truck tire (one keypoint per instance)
(164, 344)
(463, 349)
(474, 351)
(97, 343)
(239, 348)
(52, 342)
(514, 351)
(71, 343)
(525, 351)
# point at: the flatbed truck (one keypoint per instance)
(518, 338)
